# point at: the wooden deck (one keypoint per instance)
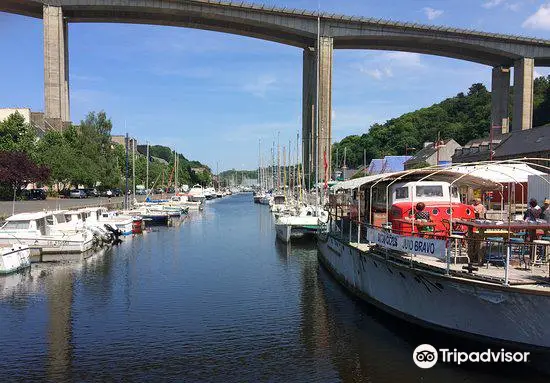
(536, 277)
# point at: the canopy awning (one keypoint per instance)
(502, 173)
(429, 174)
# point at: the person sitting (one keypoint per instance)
(479, 209)
(533, 212)
(423, 215)
(546, 210)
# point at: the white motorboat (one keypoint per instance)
(13, 258)
(184, 201)
(40, 230)
(197, 193)
(307, 221)
(99, 216)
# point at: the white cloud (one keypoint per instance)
(431, 13)
(260, 86)
(492, 4)
(383, 65)
(540, 19)
(403, 59)
(514, 7)
(541, 72)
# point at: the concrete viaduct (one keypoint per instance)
(318, 34)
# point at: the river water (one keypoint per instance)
(213, 299)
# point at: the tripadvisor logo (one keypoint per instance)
(426, 356)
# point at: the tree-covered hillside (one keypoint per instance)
(463, 117)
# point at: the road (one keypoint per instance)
(6, 207)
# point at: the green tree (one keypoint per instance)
(16, 135)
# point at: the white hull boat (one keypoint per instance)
(288, 227)
(14, 258)
(40, 231)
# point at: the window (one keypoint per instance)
(68, 218)
(454, 191)
(60, 218)
(429, 191)
(379, 194)
(16, 225)
(402, 193)
(41, 225)
(49, 219)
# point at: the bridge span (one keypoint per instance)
(318, 34)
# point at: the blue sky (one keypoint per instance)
(212, 95)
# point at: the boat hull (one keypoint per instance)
(287, 233)
(51, 244)
(14, 258)
(488, 312)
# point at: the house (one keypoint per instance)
(35, 119)
(431, 155)
(529, 143)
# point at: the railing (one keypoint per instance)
(502, 251)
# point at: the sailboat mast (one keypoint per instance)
(147, 168)
(134, 167)
(318, 69)
(278, 163)
(284, 171)
(298, 160)
(127, 166)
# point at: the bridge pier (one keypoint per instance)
(325, 106)
(523, 94)
(309, 82)
(314, 149)
(500, 92)
(56, 68)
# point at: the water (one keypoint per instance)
(215, 299)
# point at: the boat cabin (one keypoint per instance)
(40, 223)
(390, 200)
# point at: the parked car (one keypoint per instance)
(65, 193)
(170, 190)
(159, 191)
(117, 192)
(78, 193)
(91, 192)
(31, 194)
(141, 192)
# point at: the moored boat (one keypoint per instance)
(38, 230)
(14, 258)
(390, 259)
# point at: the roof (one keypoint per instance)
(394, 163)
(525, 141)
(28, 216)
(357, 182)
(426, 152)
(515, 144)
(375, 166)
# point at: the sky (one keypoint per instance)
(213, 96)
